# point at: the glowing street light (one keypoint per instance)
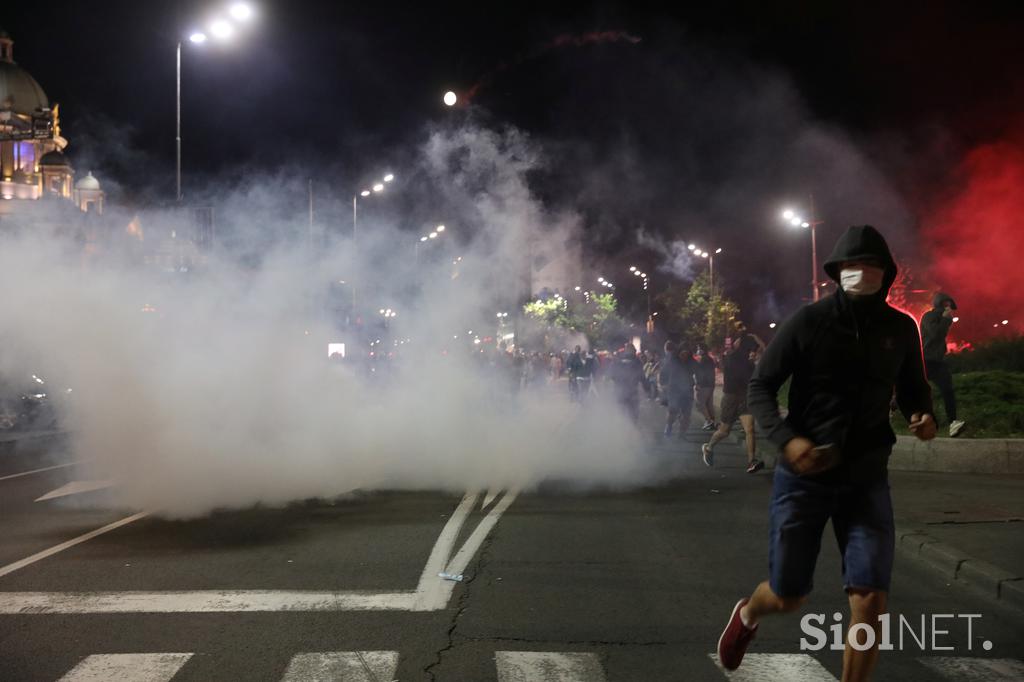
(220, 29)
(240, 11)
(450, 98)
(377, 187)
(796, 220)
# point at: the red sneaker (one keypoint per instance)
(735, 639)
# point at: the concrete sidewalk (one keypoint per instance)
(968, 527)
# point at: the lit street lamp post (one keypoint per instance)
(794, 219)
(434, 234)
(377, 188)
(643, 275)
(220, 29)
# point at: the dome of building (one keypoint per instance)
(19, 91)
(54, 158)
(89, 182)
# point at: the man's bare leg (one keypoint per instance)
(765, 602)
(865, 607)
(747, 421)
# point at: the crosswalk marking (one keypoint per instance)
(134, 667)
(519, 666)
(548, 666)
(343, 666)
(976, 669)
(789, 667)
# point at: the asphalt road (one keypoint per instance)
(558, 585)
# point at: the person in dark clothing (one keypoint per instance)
(675, 384)
(627, 375)
(935, 325)
(704, 391)
(844, 356)
(737, 368)
(574, 367)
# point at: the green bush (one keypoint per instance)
(992, 404)
(1005, 354)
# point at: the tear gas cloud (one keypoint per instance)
(213, 390)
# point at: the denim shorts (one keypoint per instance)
(861, 516)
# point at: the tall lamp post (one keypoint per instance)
(376, 188)
(221, 29)
(796, 220)
(637, 272)
(433, 234)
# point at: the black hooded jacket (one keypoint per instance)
(935, 326)
(844, 354)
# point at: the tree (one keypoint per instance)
(698, 315)
(594, 315)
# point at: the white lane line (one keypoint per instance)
(548, 666)
(968, 669)
(37, 471)
(127, 667)
(343, 666)
(788, 667)
(11, 568)
(202, 601)
(431, 590)
(465, 555)
(488, 498)
(431, 594)
(74, 488)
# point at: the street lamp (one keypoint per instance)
(637, 272)
(377, 187)
(450, 98)
(433, 234)
(796, 220)
(220, 29)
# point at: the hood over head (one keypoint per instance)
(940, 298)
(861, 242)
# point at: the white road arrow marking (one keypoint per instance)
(74, 488)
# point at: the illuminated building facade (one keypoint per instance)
(32, 161)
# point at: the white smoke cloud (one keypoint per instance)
(220, 395)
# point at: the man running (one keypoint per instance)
(737, 368)
(844, 354)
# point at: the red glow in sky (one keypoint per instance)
(975, 237)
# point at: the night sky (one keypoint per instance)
(675, 135)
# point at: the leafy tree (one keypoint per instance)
(698, 315)
(597, 318)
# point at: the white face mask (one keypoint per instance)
(861, 280)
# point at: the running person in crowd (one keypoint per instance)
(627, 375)
(675, 379)
(737, 368)
(844, 355)
(935, 325)
(574, 367)
(704, 391)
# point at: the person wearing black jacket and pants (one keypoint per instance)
(935, 325)
(844, 355)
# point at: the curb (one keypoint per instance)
(956, 565)
(953, 455)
